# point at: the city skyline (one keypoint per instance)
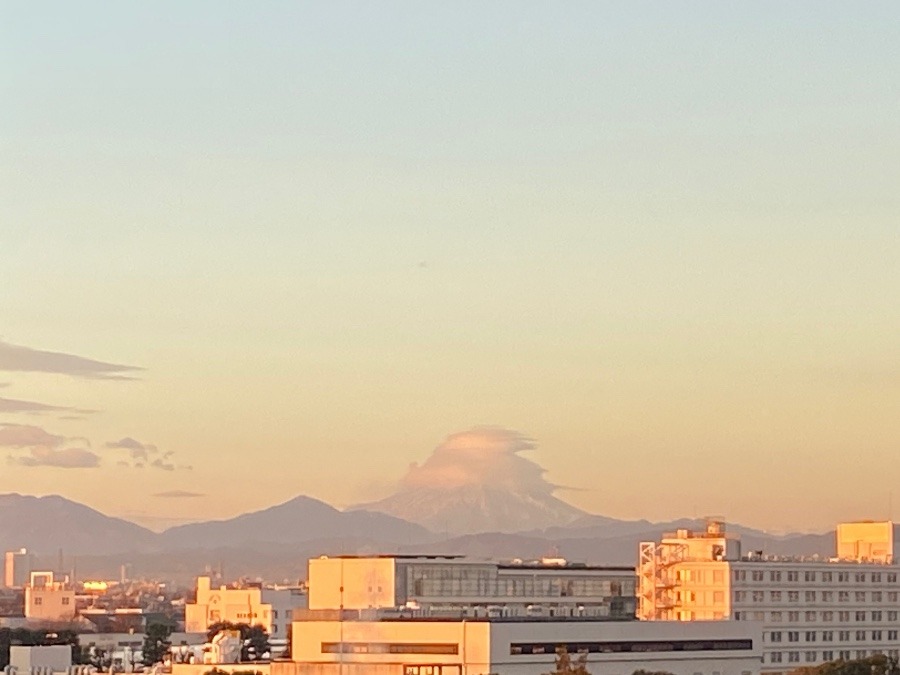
(316, 241)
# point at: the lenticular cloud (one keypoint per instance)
(479, 457)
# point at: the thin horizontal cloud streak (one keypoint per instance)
(27, 436)
(62, 458)
(179, 494)
(11, 405)
(16, 358)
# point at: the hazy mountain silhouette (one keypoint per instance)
(47, 524)
(299, 520)
(279, 539)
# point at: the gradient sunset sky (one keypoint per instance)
(255, 250)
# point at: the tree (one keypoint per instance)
(156, 643)
(566, 666)
(879, 664)
(255, 639)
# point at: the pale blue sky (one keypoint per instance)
(661, 238)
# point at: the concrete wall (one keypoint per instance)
(366, 583)
(53, 603)
(57, 658)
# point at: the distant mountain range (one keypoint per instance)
(275, 542)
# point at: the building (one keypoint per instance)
(552, 587)
(519, 646)
(272, 608)
(16, 569)
(811, 610)
(49, 600)
(49, 659)
(866, 541)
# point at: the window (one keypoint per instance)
(810, 596)
(740, 596)
(389, 648)
(809, 576)
(775, 636)
(793, 617)
(843, 577)
(827, 596)
(774, 576)
(892, 577)
(844, 655)
(757, 575)
(827, 636)
(892, 615)
(843, 596)
(793, 657)
(860, 636)
(860, 596)
(759, 596)
(844, 636)
(876, 615)
(810, 656)
(827, 616)
(793, 636)
(876, 577)
(793, 576)
(38, 601)
(776, 596)
(860, 577)
(828, 655)
(876, 596)
(860, 616)
(775, 657)
(860, 653)
(718, 597)
(775, 617)
(843, 616)
(810, 636)
(65, 600)
(892, 635)
(718, 577)
(810, 616)
(740, 575)
(274, 627)
(826, 576)
(793, 596)
(876, 635)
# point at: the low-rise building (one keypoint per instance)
(519, 646)
(48, 599)
(552, 587)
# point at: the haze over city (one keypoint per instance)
(646, 261)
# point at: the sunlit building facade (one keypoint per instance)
(811, 611)
(551, 587)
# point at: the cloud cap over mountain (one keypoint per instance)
(476, 481)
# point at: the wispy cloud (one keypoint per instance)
(63, 458)
(179, 494)
(144, 455)
(11, 405)
(137, 449)
(15, 358)
(27, 436)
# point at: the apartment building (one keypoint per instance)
(16, 568)
(551, 587)
(48, 599)
(811, 611)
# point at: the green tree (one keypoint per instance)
(565, 665)
(156, 643)
(255, 639)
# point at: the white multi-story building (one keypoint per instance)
(811, 611)
(551, 588)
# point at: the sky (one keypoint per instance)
(255, 250)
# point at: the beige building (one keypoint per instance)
(16, 568)
(519, 647)
(436, 584)
(866, 541)
(811, 611)
(49, 600)
(235, 605)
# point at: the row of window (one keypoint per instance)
(813, 576)
(828, 635)
(816, 596)
(642, 646)
(827, 655)
(827, 616)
